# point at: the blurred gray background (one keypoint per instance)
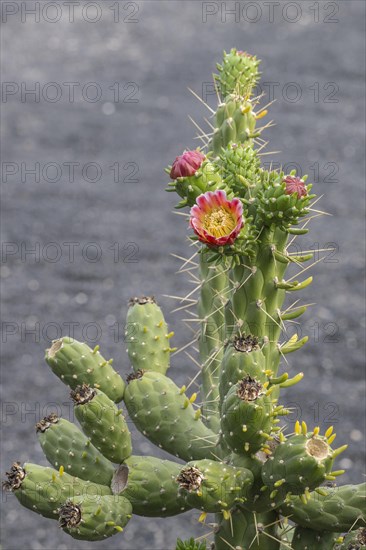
(111, 103)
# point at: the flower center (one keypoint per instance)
(219, 222)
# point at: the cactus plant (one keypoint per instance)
(267, 487)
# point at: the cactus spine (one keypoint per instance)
(266, 486)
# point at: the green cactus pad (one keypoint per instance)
(258, 500)
(44, 490)
(307, 539)
(238, 73)
(275, 206)
(247, 530)
(65, 445)
(239, 168)
(162, 412)
(103, 422)
(150, 485)
(247, 416)
(338, 509)
(300, 463)
(215, 289)
(94, 519)
(244, 316)
(213, 486)
(251, 462)
(76, 363)
(256, 299)
(235, 122)
(147, 336)
(242, 358)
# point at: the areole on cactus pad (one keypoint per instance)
(232, 454)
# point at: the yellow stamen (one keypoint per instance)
(219, 222)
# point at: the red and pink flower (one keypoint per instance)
(216, 220)
(294, 184)
(187, 164)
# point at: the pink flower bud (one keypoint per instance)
(186, 165)
(294, 184)
(243, 53)
(216, 220)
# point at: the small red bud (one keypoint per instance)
(294, 184)
(187, 164)
(243, 53)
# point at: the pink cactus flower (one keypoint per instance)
(294, 184)
(187, 164)
(216, 220)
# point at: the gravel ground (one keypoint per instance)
(312, 65)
